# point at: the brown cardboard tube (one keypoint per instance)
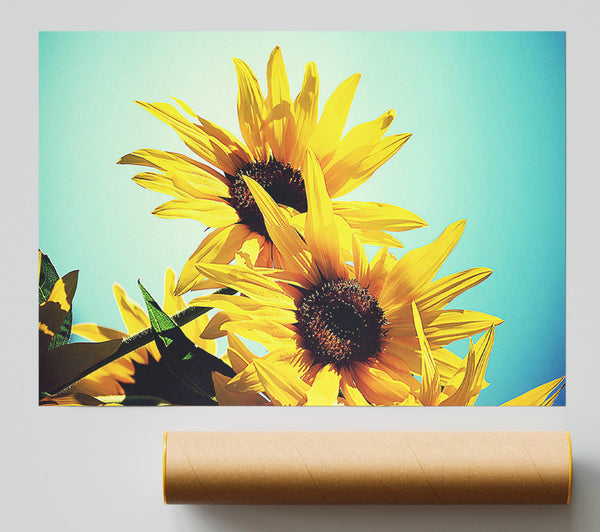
(367, 467)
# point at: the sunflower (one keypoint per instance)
(275, 382)
(108, 380)
(277, 133)
(344, 328)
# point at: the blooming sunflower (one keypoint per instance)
(276, 382)
(277, 133)
(344, 328)
(108, 381)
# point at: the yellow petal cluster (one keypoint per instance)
(418, 326)
(272, 127)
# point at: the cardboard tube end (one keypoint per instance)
(570, 468)
(164, 467)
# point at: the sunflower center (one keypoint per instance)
(283, 183)
(341, 322)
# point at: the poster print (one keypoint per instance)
(302, 218)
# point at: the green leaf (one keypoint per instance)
(48, 276)
(190, 364)
(47, 280)
(53, 312)
(63, 335)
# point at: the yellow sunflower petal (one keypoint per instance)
(439, 293)
(344, 232)
(321, 231)
(235, 343)
(359, 165)
(474, 373)
(227, 397)
(271, 334)
(96, 333)
(537, 396)
(349, 390)
(173, 164)
(159, 183)
(251, 110)
(396, 369)
(362, 135)
(246, 381)
(248, 282)
(279, 106)
(200, 142)
(411, 400)
(240, 359)
(252, 246)
(214, 328)
(361, 263)
(376, 237)
(183, 185)
(305, 110)
(285, 237)
(445, 326)
(373, 215)
(325, 388)
(333, 119)
(210, 212)
(459, 388)
(430, 378)
(447, 362)
(171, 303)
(549, 401)
(380, 266)
(289, 278)
(218, 247)
(377, 386)
(418, 267)
(245, 306)
(134, 318)
(226, 138)
(281, 383)
(483, 350)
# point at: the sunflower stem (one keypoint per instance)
(130, 344)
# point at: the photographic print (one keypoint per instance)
(302, 218)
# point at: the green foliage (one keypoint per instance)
(63, 334)
(48, 277)
(189, 364)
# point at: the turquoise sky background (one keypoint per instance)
(487, 113)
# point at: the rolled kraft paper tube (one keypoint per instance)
(367, 467)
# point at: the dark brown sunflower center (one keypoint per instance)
(283, 183)
(341, 322)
